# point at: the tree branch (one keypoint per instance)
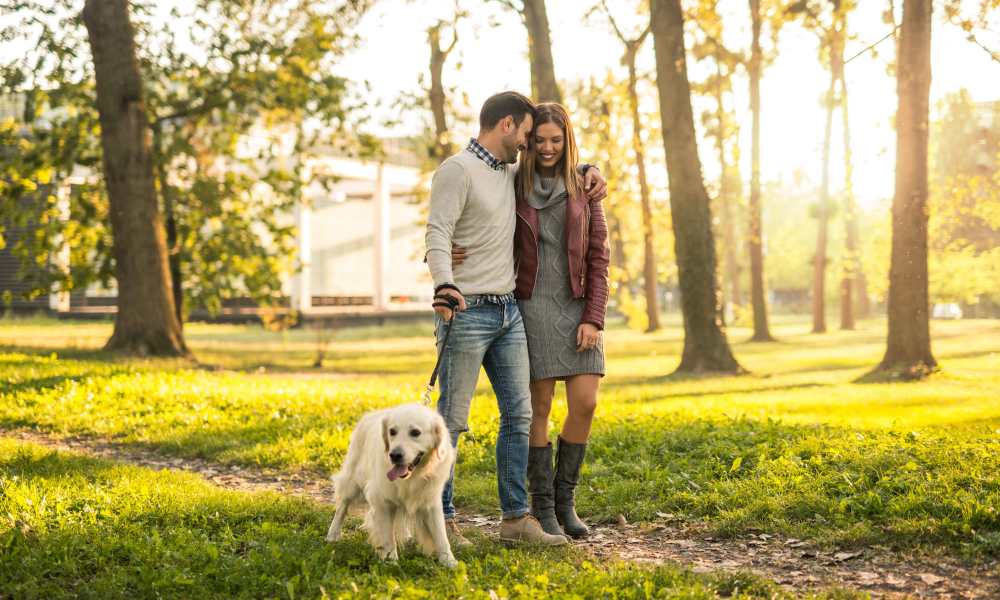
(972, 38)
(188, 111)
(642, 36)
(884, 38)
(614, 24)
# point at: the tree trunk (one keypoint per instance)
(823, 211)
(908, 347)
(174, 257)
(705, 345)
(649, 253)
(732, 270)
(761, 330)
(442, 141)
(173, 250)
(146, 322)
(851, 264)
(543, 72)
(864, 309)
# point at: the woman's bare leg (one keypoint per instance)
(581, 398)
(541, 405)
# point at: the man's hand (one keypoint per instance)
(587, 336)
(446, 313)
(594, 184)
(458, 255)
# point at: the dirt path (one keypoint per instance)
(795, 564)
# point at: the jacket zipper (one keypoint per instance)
(585, 233)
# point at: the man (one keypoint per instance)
(472, 205)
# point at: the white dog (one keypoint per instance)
(398, 460)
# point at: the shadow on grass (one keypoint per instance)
(832, 484)
(40, 384)
(60, 352)
(50, 464)
(134, 533)
(613, 383)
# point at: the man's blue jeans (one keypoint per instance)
(489, 333)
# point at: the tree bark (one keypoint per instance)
(146, 321)
(705, 345)
(543, 73)
(173, 249)
(649, 252)
(908, 345)
(443, 147)
(758, 298)
(864, 308)
(823, 210)
(851, 263)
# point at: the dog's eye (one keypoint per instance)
(414, 433)
(392, 432)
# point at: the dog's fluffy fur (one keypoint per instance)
(398, 461)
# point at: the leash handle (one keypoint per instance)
(452, 303)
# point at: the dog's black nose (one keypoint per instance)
(396, 456)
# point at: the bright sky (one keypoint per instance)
(395, 53)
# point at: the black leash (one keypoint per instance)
(452, 303)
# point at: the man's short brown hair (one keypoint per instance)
(499, 106)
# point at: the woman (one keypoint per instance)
(561, 252)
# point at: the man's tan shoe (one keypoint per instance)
(455, 537)
(527, 529)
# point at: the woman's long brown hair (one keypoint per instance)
(550, 112)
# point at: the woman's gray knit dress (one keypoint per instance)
(552, 315)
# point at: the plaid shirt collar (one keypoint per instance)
(485, 155)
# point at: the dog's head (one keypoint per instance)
(414, 435)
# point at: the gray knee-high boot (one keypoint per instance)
(540, 487)
(569, 459)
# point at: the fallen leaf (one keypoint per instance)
(930, 578)
(842, 556)
(894, 581)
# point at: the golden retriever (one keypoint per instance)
(398, 461)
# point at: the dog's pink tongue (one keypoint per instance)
(396, 472)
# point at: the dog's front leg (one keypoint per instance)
(432, 520)
(383, 535)
(333, 534)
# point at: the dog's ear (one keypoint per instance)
(385, 433)
(442, 441)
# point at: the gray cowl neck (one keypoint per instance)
(546, 191)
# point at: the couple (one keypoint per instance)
(521, 247)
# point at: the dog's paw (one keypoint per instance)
(333, 536)
(448, 561)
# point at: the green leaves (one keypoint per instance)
(244, 70)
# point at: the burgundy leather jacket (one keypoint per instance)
(586, 245)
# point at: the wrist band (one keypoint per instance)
(446, 286)
(445, 301)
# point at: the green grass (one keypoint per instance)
(77, 527)
(798, 447)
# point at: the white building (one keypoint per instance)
(361, 242)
